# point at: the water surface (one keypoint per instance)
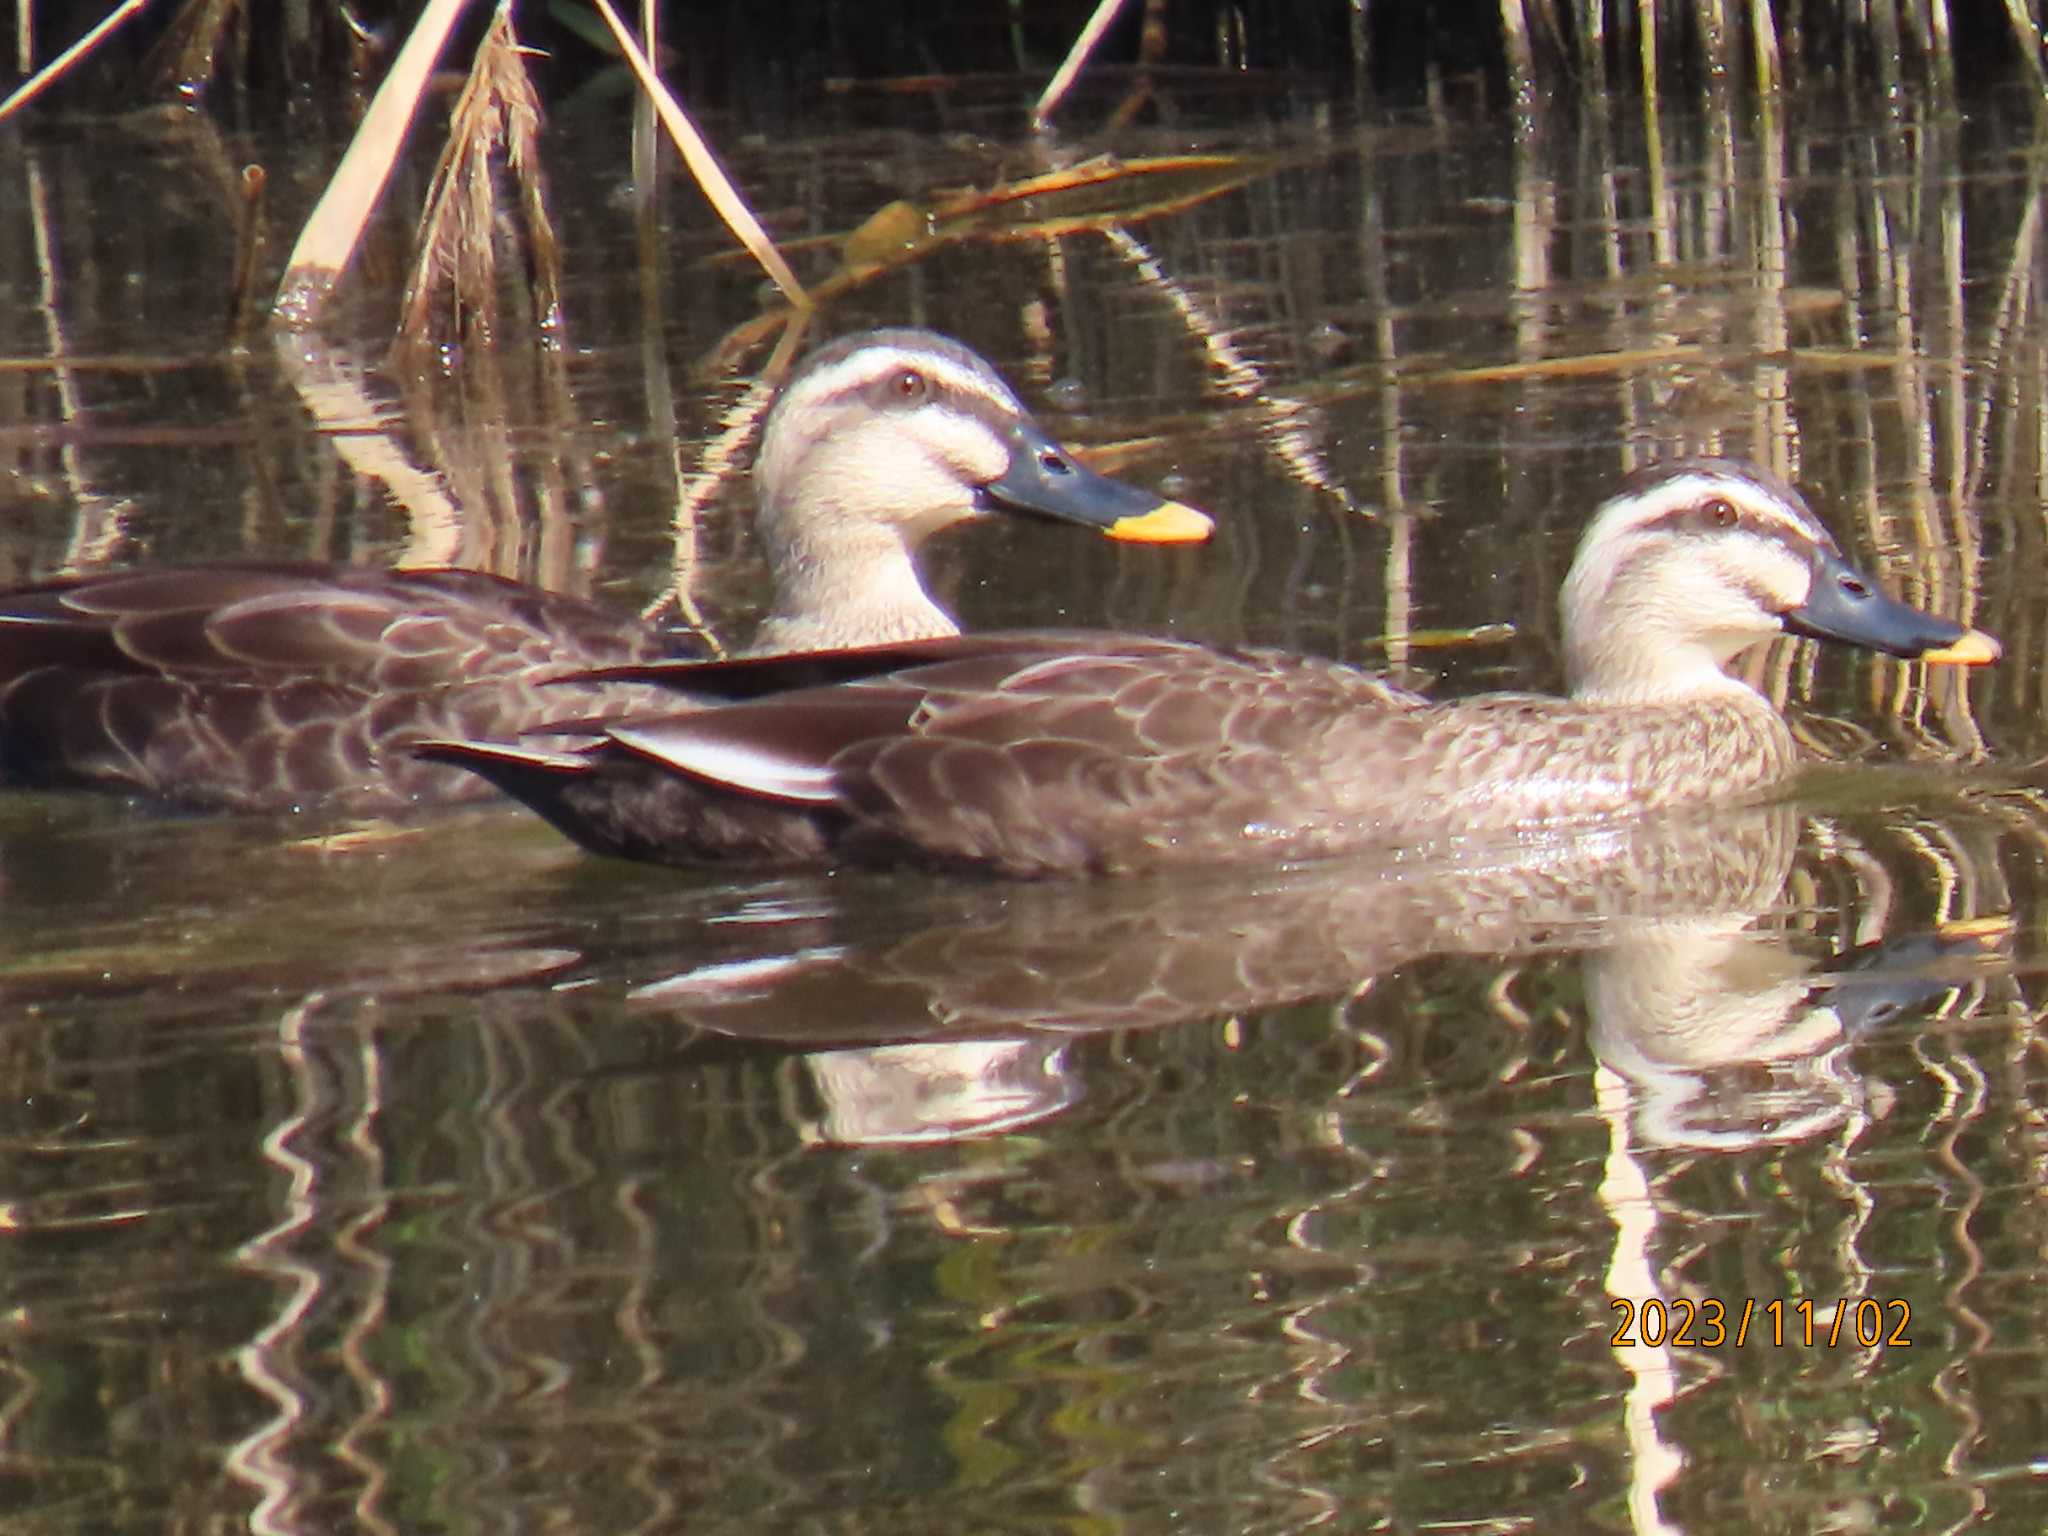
(449, 1178)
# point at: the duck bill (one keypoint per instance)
(1845, 605)
(1045, 479)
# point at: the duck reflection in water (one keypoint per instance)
(950, 1014)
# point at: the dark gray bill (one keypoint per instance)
(1846, 605)
(1045, 478)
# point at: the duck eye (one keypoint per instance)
(910, 386)
(1854, 587)
(1720, 512)
(1054, 464)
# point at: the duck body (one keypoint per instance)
(251, 686)
(1042, 754)
(1053, 754)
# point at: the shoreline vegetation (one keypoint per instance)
(756, 62)
(1524, 51)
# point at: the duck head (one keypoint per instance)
(882, 439)
(1694, 560)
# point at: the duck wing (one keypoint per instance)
(259, 686)
(1026, 753)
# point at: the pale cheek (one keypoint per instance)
(970, 452)
(989, 461)
(1735, 604)
(911, 493)
(912, 485)
(1741, 618)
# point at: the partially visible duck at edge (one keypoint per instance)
(271, 686)
(1045, 754)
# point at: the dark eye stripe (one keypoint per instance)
(1760, 597)
(877, 386)
(882, 392)
(1701, 516)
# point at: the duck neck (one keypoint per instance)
(1656, 674)
(841, 584)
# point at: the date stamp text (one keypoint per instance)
(1712, 1323)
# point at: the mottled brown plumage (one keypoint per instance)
(1036, 754)
(253, 686)
(267, 686)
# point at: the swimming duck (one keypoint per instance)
(1049, 753)
(268, 686)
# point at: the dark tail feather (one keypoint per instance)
(536, 777)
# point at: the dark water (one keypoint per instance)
(452, 1180)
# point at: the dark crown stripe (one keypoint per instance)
(846, 374)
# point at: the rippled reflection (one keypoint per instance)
(436, 1176)
(1684, 982)
(1305, 1176)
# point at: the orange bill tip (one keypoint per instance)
(1975, 649)
(1173, 522)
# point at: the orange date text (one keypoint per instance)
(1711, 1323)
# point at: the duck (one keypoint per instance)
(262, 686)
(1048, 753)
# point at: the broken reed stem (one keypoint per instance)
(43, 78)
(711, 177)
(645, 164)
(331, 234)
(1070, 67)
(1763, 40)
(1151, 49)
(1943, 49)
(248, 245)
(1521, 53)
(2027, 33)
